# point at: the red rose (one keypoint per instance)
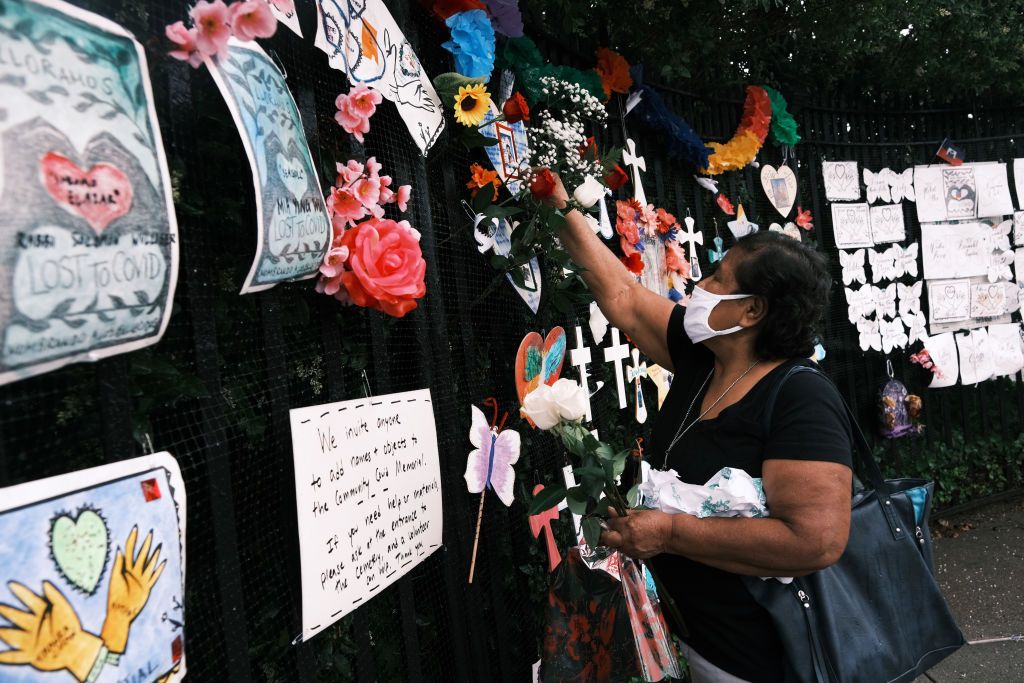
(515, 109)
(589, 149)
(543, 184)
(634, 263)
(616, 178)
(387, 266)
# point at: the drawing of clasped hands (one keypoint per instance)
(47, 633)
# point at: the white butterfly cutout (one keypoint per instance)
(1000, 239)
(909, 298)
(904, 260)
(894, 335)
(918, 331)
(999, 266)
(885, 300)
(902, 186)
(882, 265)
(878, 185)
(870, 337)
(861, 302)
(853, 266)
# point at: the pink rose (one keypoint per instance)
(345, 207)
(251, 19)
(387, 267)
(185, 40)
(402, 197)
(211, 20)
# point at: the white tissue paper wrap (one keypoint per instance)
(730, 493)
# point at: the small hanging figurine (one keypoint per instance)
(718, 253)
(637, 371)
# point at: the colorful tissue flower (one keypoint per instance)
(614, 72)
(482, 178)
(185, 39)
(506, 17)
(386, 266)
(251, 19)
(543, 184)
(516, 109)
(472, 104)
(634, 263)
(725, 205)
(616, 178)
(666, 221)
(446, 8)
(212, 22)
(804, 218)
(472, 43)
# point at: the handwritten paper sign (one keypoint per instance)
(293, 230)
(960, 192)
(887, 223)
(1005, 349)
(88, 237)
(851, 225)
(841, 180)
(988, 300)
(949, 300)
(931, 205)
(975, 364)
(954, 250)
(993, 190)
(942, 348)
(368, 491)
(100, 554)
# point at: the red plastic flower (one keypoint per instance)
(634, 263)
(516, 109)
(804, 218)
(725, 205)
(616, 178)
(666, 221)
(589, 149)
(543, 184)
(614, 72)
(387, 266)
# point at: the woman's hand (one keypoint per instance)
(640, 534)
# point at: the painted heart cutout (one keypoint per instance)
(100, 195)
(539, 360)
(293, 175)
(80, 548)
(780, 186)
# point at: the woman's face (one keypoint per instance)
(722, 280)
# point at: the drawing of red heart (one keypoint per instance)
(539, 360)
(100, 195)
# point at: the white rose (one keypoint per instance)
(588, 194)
(569, 399)
(539, 406)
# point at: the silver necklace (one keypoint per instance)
(680, 431)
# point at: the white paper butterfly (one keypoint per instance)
(853, 266)
(885, 300)
(1012, 296)
(904, 260)
(861, 302)
(878, 185)
(894, 335)
(870, 338)
(917, 323)
(902, 185)
(1000, 239)
(999, 266)
(909, 298)
(882, 265)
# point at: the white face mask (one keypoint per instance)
(698, 310)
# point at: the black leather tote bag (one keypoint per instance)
(877, 615)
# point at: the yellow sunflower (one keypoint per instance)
(472, 104)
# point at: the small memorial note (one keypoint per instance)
(368, 491)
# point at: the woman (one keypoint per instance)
(745, 326)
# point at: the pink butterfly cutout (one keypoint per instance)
(490, 464)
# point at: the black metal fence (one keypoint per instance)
(217, 389)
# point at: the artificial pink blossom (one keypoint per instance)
(349, 173)
(331, 285)
(349, 119)
(373, 167)
(211, 20)
(334, 262)
(185, 40)
(387, 195)
(367, 191)
(251, 19)
(402, 196)
(364, 100)
(346, 207)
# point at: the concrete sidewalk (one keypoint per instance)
(979, 561)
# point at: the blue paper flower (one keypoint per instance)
(472, 43)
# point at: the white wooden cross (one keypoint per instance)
(616, 353)
(580, 357)
(636, 371)
(630, 158)
(691, 239)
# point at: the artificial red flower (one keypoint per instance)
(445, 8)
(804, 218)
(616, 178)
(481, 179)
(634, 263)
(588, 150)
(387, 266)
(614, 72)
(666, 221)
(543, 184)
(516, 109)
(725, 205)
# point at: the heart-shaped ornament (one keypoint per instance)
(780, 186)
(539, 360)
(100, 195)
(80, 548)
(293, 175)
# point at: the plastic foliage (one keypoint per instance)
(506, 17)
(472, 43)
(783, 129)
(681, 140)
(517, 54)
(742, 148)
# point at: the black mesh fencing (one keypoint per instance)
(216, 390)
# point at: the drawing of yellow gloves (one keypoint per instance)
(48, 634)
(131, 582)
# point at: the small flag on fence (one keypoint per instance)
(950, 153)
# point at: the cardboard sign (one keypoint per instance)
(368, 492)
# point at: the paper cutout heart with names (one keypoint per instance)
(780, 186)
(100, 195)
(539, 360)
(293, 175)
(80, 548)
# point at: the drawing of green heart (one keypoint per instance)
(80, 548)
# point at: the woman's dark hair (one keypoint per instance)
(794, 281)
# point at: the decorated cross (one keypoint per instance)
(630, 158)
(616, 353)
(691, 238)
(540, 523)
(637, 371)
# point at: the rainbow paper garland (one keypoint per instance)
(749, 137)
